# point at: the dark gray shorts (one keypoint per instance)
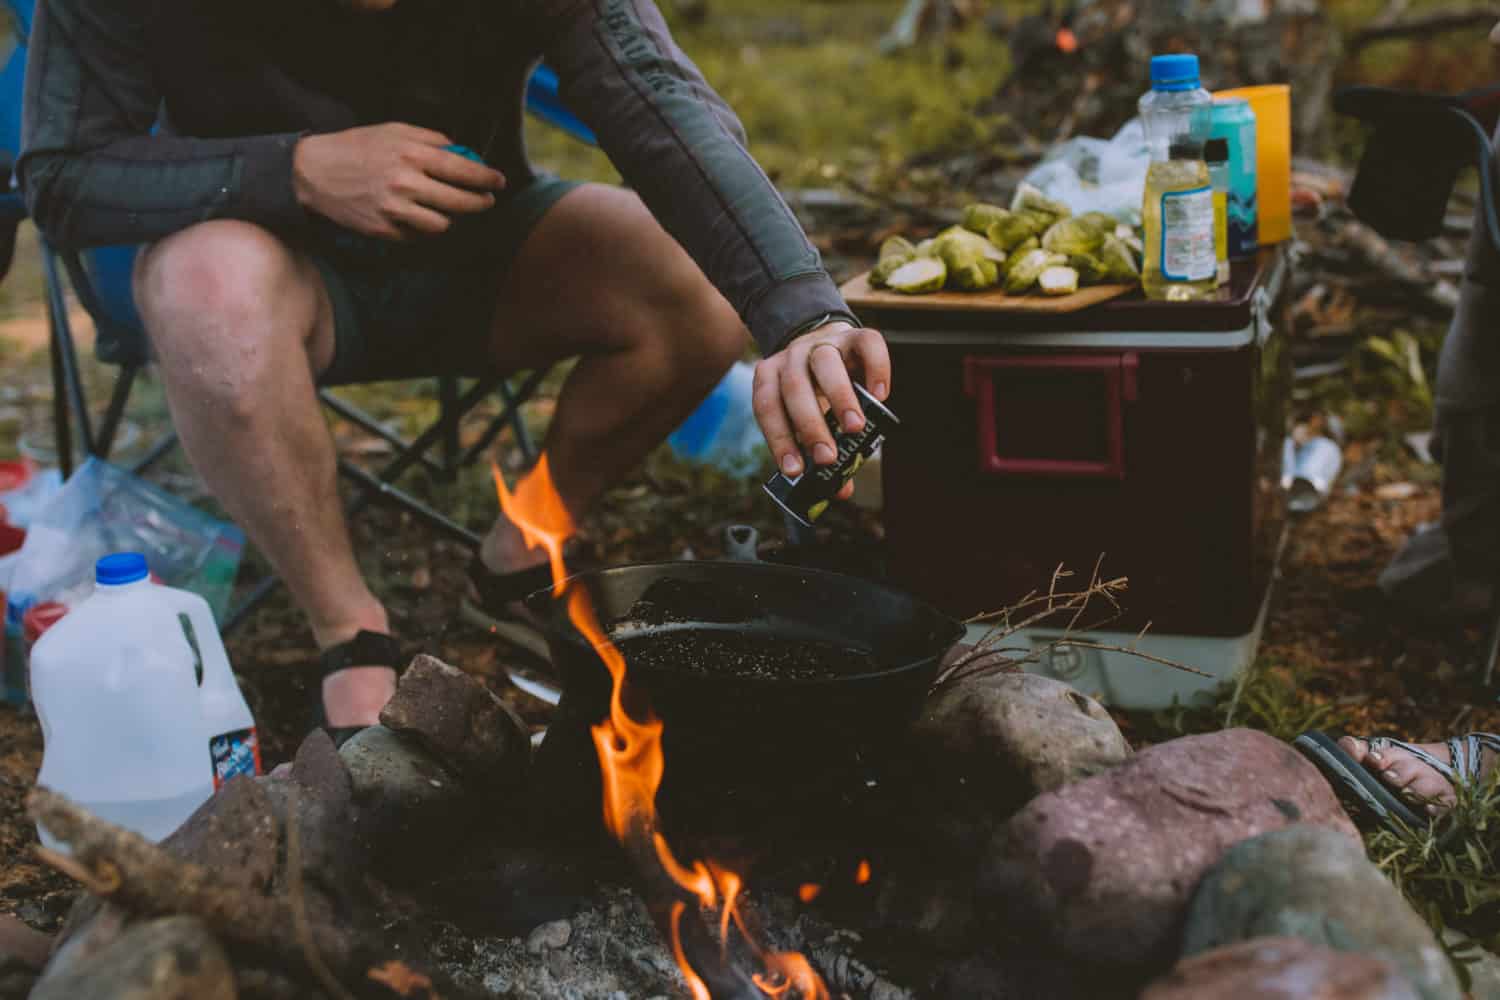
(405, 310)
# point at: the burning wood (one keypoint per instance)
(632, 763)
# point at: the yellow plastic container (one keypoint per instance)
(1272, 105)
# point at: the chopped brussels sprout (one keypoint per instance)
(1058, 281)
(924, 274)
(897, 246)
(1024, 271)
(1070, 236)
(979, 217)
(1028, 197)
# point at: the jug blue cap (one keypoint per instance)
(120, 568)
(1174, 72)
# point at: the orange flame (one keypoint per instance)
(862, 873)
(809, 891)
(631, 759)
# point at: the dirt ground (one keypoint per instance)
(1332, 654)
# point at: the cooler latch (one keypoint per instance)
(1085, 379)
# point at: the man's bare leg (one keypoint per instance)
(240, 323)
(600, 279)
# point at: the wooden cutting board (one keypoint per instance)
(859, 295)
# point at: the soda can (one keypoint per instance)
(1233, 120)
(1308, 472)
(807, 496)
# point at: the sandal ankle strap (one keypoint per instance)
(366, 649)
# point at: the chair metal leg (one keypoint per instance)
(62, 335)
(510, 415)
(118, 397)
(448, 443)
(369, 424)
(62, 429)
(375, 487)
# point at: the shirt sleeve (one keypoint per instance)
(92, 172)
(683, 150)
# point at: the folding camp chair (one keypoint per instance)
(101, 280)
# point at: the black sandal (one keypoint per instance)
(497, 604)
(366, 649)
(1368, 798)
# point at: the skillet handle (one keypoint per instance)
(741, 543)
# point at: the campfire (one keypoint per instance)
(632, 763)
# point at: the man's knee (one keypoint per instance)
(218, 284)
(696, 325)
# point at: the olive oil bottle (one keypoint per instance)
(1180, 262)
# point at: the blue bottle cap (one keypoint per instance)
(120, 568)
(465, 152)
(1174, 72)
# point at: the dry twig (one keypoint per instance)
(990, 656)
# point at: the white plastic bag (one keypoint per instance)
(1098, 175)
(103, 509)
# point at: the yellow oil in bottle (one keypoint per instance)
(1178, 212)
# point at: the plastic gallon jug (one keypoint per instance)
(722, 431)
(141, 716)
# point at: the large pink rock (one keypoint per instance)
(1281, 968)
(1103, 869)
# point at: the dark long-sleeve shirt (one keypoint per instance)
(143, 117)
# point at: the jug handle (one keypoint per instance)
(217, 673)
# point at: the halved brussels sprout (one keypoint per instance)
(979, 217)
(924, 274)
(1119, 263)
(1058, 281)
(1091, 270)
(1024, 271)
(1028, 197)
(1070, 236)
(897, 246)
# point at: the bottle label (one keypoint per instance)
(234, 754)
(1187, 235)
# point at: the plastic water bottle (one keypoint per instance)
(722, 431)
(141, 716)
(1180, 262)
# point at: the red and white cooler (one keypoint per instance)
(1146, 433)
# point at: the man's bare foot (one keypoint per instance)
(1409, 776)
(504, 549)
(354, 696)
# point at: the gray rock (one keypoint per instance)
(549, 937)
(459, 721)
(1482, 966)
(1103, 869)
(406, 804)
(174, 958)
(1318, 885)
(1280, 968)
(234, 833)
(995, 742)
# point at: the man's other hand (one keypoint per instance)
(796, 386)
(390, 181)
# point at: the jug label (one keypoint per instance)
(1187, 235)
(234, 754)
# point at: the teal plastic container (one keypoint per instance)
(1232, 120)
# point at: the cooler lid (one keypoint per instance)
(1232, 316)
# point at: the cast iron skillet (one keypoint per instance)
(723, 733)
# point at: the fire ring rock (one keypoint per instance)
(1280, 968)
(996, 741)
(1103, 869)
(1315, 884)
(174, 958)
(458, 720)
